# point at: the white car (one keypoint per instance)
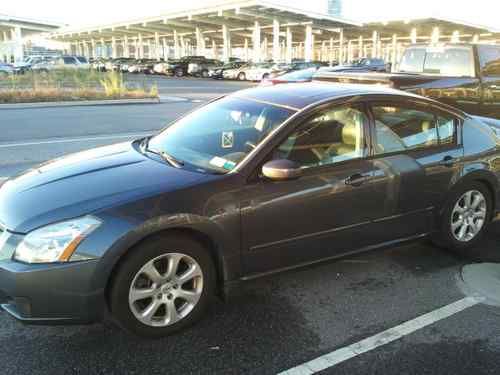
(236, 73)
(161, 68)
(256, 72)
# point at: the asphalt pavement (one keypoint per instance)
(279, 323)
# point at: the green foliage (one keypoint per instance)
(113, 85)
(71, 84)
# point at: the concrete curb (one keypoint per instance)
(78, 103)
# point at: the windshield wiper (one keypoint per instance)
(164, 155)
(170, 159)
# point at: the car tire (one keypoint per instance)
(464, 218)
(179, 72)
(204, 73)
(265, 76)
(161, 251)
(242, 76)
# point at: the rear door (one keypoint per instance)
(419, 145)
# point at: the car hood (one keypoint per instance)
(86, 182)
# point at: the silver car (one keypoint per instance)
(6, 70)
(63, 62)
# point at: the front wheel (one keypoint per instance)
(242, 76)
(164, 285)
(465, 217)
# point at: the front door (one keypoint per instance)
(326, 212)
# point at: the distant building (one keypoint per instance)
(335, 8)
(18, 36)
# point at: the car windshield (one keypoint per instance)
(218, 136)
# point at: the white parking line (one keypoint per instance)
(343, 354)
(73, 140)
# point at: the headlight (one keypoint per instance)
(56, 242)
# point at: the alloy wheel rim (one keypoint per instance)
(166, 289)
(468, 216)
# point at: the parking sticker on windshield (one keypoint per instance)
(223, 163)
(227, 139)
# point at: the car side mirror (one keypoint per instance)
(280, 170)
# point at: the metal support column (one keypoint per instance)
(276, 41)
(289, 45)
(226, 46)
(308, 44)
(256, 43)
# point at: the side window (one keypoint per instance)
(399, 129)
(446, 128)
(330, 137)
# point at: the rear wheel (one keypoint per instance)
(163, 286)
(204, 73)
(179, 72)
(465, 217)
(242, 76)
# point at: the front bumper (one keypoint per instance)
(51, 293)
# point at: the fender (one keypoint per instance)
(227, 260)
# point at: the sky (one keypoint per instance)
(95, 12)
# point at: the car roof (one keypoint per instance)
(301, 95)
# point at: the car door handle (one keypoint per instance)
(448, 161)
(357, 179)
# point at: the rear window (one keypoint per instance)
(445, 61)
(489, 59)
(413, 61)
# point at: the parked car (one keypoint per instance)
(236, 72)
(6, 70)
(295, 76)
(256, 71)
(161, 68)
(465, 75)
(297, 65)
(99, 64)
(63, 62)
(218, 72)
(126, 65)
(115, 65)
(25, 65)
(148, 66)
(179, 68)
(166, 222)
(363, 65)
(202, 68)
